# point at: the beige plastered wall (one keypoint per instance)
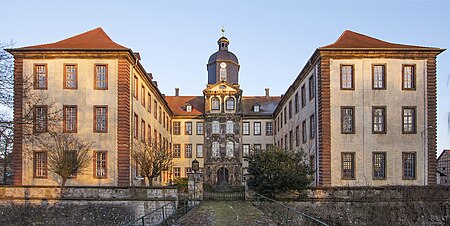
(184, 139)
(85, 97)
(363, 143)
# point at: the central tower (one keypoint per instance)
(223, 159)
(223, 65)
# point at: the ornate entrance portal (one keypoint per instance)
(222, 176)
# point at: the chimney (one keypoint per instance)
(177, 92)
(267, 92)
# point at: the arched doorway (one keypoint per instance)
(222, 176)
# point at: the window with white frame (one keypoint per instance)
(199, 150)
(215, 103)
(230, 103)
(215, 127)
(257, 128)
(215, 149)
(230, 149)
(229, 128)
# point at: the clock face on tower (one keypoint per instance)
(223, 65)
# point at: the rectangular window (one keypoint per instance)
(269, 129)
(101, 77)
(246, 128)
(40, 76)
(188, 126)
(409, 77)
(155, 109)
(136, 88)
(143, 130)
(296, 102)
(149, 134)
(100, 164)
(379, 119)
(199, 150)
(40, 119)
(143, 96)
(136, 126)
(348, 166)
(70, 76)
(290, 109)
(303, 96)
(297, 136)
(245, 150)
(409, 119)
(256, 147)
(176, 171)
(100, 119)
(40, 164)
(187, 170)
(176, 128)
(291, 140)
(199, 128)
(285, 141)
(70, 119)
(164, 120)
(348, 119)
(160, 115)
(379, 76)
(347, 77)
(312, 90)
(312, 127)
(176, 151)
(409, 165)
(285, 115)
(257, 128)
(304, 132)
(188, 150)
(149, 103)
(269, 146)
(379, 165)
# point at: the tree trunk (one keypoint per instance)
(63, 182)
(5, 163)
(150, 181)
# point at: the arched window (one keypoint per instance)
(215, 103)
(230, 149)
(215, 127)
(230, 103)
(215, 149)
(229, 127)
(223, 74)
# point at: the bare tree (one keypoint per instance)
(151, 159)
(6, 143)
(6, 75)
(67, 155)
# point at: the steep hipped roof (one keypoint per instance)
(352, 40)
(267, 105)
(95, 39)
(178, 105)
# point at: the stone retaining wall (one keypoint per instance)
(30, 205)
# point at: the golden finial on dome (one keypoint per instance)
(223, 31)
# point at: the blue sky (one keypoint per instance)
(272, 39)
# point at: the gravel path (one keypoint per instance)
(226, 213)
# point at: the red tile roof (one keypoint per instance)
(352, 40)
(178, 105)
(95, 39)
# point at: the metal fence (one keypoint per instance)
(228, 193)
(282, 214)
(167, 214)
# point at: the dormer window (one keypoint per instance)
(230, 103)
(188, 108)
(215, 103)
(256, 108)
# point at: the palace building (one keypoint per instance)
(363, 110)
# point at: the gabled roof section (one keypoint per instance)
(267, 105)
(445, 152)
(178, 105)
(95, 39)
(353, 40)
(222, 86)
